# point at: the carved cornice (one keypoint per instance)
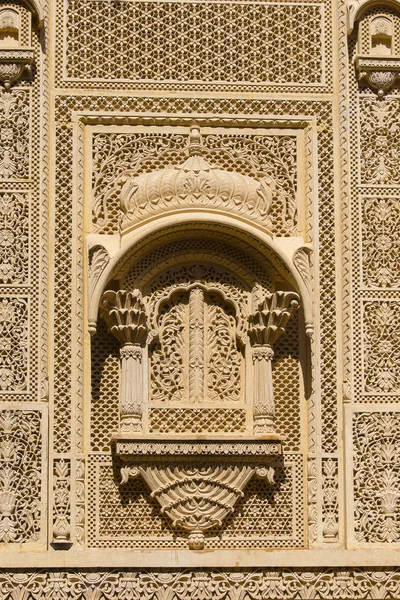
(242, 449)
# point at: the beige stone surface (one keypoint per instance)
(199, 299)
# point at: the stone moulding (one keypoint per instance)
(197, 482)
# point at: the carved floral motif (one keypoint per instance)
(13, 344)
(204, 584)
(181, 361)
(381, 323)
(14, 238)
(330, 502)
(379, 141)
(62, 503)
(14, 134)
(376, 475)
(272, 158)
(20, 476)
(195, 184)
(381, 242)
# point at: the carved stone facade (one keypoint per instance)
(200, 299)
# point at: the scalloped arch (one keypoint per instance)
(233, 226)
(356, 8)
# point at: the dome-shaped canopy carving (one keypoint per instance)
(198, 185)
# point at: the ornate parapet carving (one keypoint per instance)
(197, 482)
(125, 315)
(266, 325)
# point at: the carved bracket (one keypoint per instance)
(197, 482)
(381, 73)
(13, 62)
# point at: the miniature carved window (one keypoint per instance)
(9, 28)
(381, 36)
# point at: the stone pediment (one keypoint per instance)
(195, 184)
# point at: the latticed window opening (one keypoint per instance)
(197, 357)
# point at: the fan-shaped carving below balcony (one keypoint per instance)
(195, 185)
(197, 482)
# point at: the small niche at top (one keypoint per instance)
(382, 36)
(9, 28)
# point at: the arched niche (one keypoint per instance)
(200, 280)
(197, 300)
(357, 8)
(377, 59)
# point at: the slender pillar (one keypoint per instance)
(266, 325)
(264, 405)
(125, 315)
(196, 345)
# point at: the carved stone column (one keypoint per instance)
(125, 315)
(266, 325)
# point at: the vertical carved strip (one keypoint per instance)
(196, 345)
(263, 403)
(330, 506)
(61, 503)
(80, 501)
(131, 387)
(312, 489)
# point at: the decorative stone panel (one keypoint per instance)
(374, 474)
(181, 42)
(272, 158)
(379, 141)
(22, 491)
(380, 241)
(381, 348)
(15, 135)
(14, 344)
